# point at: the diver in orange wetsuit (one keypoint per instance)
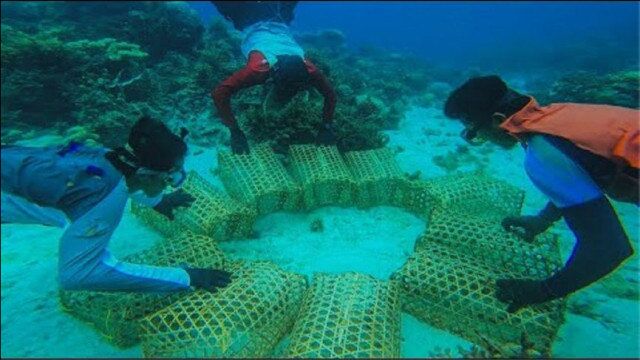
(577, 155)
(272, 56)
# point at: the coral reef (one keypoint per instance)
(391, 80)
(66, 64)
(453, 159)
(621, 88)
(48, 82)
(165, 27)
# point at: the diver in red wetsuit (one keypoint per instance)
(272, 55)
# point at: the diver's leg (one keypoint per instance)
(601, 246)
(240, 13)
(246, 13)
(286, 10)
(17, 210)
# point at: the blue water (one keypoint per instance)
(490, 35)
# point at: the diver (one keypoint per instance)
(577, 155)
(273, 57)
(89, 188)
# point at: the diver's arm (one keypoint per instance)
(601, 243)
(86, 264)
(255, 72)
(291, 5)
(601, 246)
(320, 82)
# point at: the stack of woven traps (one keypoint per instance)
(469, 212)
(322, 175)
(455, 292)
(417, 198)
(247, 318)
(213, 213)
(349, 315)
(378, 177)
(449, 282)
(477, 194)
(259, 180)
(486, 239)
(116, 315)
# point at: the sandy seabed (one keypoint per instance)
(374, 241)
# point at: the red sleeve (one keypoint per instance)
(320, 82)
(255, 72)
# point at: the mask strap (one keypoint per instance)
(125, 156)
(183, 133)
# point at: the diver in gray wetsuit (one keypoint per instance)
(89, 187)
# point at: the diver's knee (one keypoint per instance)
(68, 279)
(67, 282)
(627, 252)
(624, 251)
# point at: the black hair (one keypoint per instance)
(476, 100)
(154, 145)
(290, 73)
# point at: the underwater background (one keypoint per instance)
(86, 71)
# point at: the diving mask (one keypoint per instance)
(174, 178)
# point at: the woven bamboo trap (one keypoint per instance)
(115, 315)
(245, 319)
(213, 213)
(349, 315)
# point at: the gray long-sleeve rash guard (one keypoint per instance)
(92, 194)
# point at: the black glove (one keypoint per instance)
(239, 144)
(533, 225)
(518, 293)
(178, 198)
(208, 279)
(326, 136)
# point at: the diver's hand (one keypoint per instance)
(176, 199)
(529, 226)
(518, 293)
(326, 135)
(239, 144)
(208, 279)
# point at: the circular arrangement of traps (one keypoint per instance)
(448, 282)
